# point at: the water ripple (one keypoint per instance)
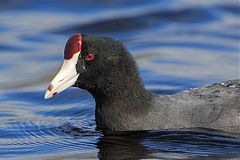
(178, 45)
(142, 21)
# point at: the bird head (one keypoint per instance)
(88, 62)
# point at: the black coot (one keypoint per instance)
(106, 69)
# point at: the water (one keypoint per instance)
(177, 45)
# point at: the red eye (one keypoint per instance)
(89, 57)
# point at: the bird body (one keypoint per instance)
(215, 106)
(106, 69)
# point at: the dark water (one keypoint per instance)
(178, 44)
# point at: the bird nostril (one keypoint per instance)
(50, 87)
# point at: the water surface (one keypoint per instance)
(177, 45)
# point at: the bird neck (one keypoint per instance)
(122, 85)
(128, 93)
(121, 98)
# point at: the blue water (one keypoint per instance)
(177, 44)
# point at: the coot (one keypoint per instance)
(106, 69)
